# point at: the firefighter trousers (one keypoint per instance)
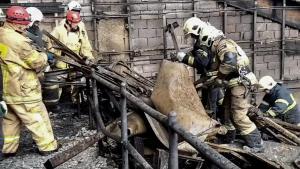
(236, 109)
(35, 118)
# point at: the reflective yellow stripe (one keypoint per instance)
(292, 105)
(3, 50)
(220, 102)
(271, 112)
(282, 101)
(191, 61)
(11, 139)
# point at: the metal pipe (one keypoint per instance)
(208, 152)
(129, 31)
(282, 41)
(225, 18)
(254, 45)
(99, 119)
(164, 19)
(173, 143)
(124, 129)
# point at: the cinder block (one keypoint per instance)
(277, 34)
(173, 6)
(187, 6)
(139, 7)
(293, 33)
(149, 14)
(259, 59)
(271, 58)
(234, 36)
(230, 28)
(155, 7)
(261, 27)
(233, 19)
(261, 66)
(139, 43)
(247, 35)
(246, 19)
(154, 23)
(150, 68)
(159, 32)
(274, 65)
(267, 73)
(138, 23)
(135, 33)
(215, 20)
(266, 35)
(147, 33)
(243, 27)
(156, 42)
(205, 4)
(273, 27)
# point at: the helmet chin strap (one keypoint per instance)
(69, 27)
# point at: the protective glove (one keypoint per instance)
(3, 108)
(180, 56)
(50, 57)
(254, 112)
(89, 61)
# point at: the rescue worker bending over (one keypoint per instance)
(232, 64)
(212, 95)
(279, 101)
(21, 65)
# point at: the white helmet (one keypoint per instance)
(35, 14)
(74, 6)
(2, 15)
(208, 34)
(193, 26)
(267, 82)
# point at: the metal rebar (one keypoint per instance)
(99, 119)
(164, 20)
(208, 152)
(173, 143)
(124, 134)
(282, 41)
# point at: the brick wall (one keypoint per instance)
(147, 33)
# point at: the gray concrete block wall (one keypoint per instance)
(147, 33)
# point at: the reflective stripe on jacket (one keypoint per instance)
(280, 101)
(77, 41)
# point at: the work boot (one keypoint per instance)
(254, 143)
(4, 156)
(46, 153)
(229, 137)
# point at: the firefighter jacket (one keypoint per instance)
(279, 101)
(76, 40)
(20, 64)
(224, 56)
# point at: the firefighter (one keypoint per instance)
(21, 66)
(279, 101)
(33, 31)
(232, 65)
(73, 37)
(3, 106)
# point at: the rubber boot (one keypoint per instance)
(229, 137)
(254, 143)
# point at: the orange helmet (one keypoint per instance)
(73, 17)
(17, 15)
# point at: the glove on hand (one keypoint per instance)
(180, 56)
(3, 108)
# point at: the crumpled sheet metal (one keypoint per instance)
(174, 91)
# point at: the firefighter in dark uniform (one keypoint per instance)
(278, 101)
(232, 65)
